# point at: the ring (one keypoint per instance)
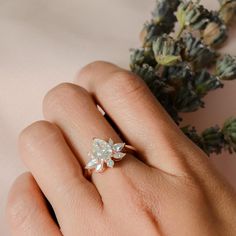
(104, 152)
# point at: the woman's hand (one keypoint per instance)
(168, 188)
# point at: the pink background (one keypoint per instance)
(44, 43)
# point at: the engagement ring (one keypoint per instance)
(105, 153)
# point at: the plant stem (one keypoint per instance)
(180, 31)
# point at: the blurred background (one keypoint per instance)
(45, 42)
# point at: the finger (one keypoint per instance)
(27, 211)
(137, 113)
(74, 111)
(59, 175)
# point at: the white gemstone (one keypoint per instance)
(118, 146)
(110, 141)
(119, 155)
(99, 167)
(101, 149)
(92, 163)
(110, 163)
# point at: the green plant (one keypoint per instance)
(180, 62)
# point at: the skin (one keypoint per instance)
(168, 188)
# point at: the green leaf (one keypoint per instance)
(168, 60)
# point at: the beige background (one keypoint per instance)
(45, 42)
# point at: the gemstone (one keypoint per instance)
(119, 155)
(110, 163)
(118, 147)
(110, 141)
(101, 149)
(92, 164)
(103, 152)
(99, 167)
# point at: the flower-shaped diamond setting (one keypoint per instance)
(104, 152)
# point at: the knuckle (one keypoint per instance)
(112, 80)
(63, 94)
(20, 206)
(134, 197)
(189, 185)
(194, 190)
(124, 83)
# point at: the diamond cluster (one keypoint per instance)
(104, 152)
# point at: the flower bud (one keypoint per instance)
(212, 140)
(163, 21)
(164, 9)
(214, 34)
(192, 14)
(228, 11)
(191, 133)
(150, 32)
(142, 56)
(187, 100)
(199, 54)
(226, 68)
(167, 51)
(204, 82)
(229, 132)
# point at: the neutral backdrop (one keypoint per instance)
(45, 42)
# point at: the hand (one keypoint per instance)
(168, 188)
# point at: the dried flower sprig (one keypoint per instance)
(197, 53)
(211, 25)
(166, 50)
(226, 68)
(191, 14)
(229, 132)
(215, 139)
(160, 89)
(178, 69)
(163, 12)
(210, 140)
(204, 82)
(163, 21)
(215, 32)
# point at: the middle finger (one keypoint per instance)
(73, 110)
